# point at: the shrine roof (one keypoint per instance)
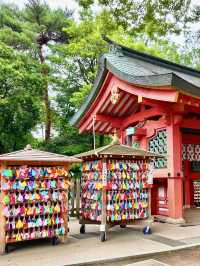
(118, 150)
(143, 70)
(33, 155)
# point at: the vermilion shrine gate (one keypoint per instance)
(154, 104)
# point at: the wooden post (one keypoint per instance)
(2, 218)
(65, 209)
(122, 136)
(78, 198)
(149, 204)
(104, 203)
(175, 180)
(187, 185)
(72, 189)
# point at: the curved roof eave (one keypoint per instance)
(153, 59)
(156, 80)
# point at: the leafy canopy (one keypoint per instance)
(20, 79)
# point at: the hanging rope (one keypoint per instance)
(93, 129)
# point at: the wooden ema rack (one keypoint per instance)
(115, 191)
(33, 196)
(31, 208)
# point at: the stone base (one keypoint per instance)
(165, 219)
(186, 207)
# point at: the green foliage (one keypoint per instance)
(19, 98)
(152, 18)
(69, 142)
(45, 22)
(79, 96)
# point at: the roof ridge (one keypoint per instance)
(105, 147)
(10, 153)
(37, 151)
(151, 58)
(138, 149)
(52, 153)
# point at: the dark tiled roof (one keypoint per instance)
(118, 150)
(144, 73)
(144, 70)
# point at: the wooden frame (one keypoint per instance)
(104, 224)
(64, 201)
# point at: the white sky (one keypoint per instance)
(70, 4)
(61, 3)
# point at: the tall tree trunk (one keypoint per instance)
(46, 98)
(47, 113)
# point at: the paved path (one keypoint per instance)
(87, 248)
(148, 263)
(180, 258)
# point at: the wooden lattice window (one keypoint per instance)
(158, 144)
(191, 152)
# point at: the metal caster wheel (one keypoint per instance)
(103, 236)
(122, 225)
(147, 230)
(54, 241)
(6, 249)
(82, 229)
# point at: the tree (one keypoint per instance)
(191, 44)
(20, 79)
(48, 24)
(32, 30)
(154, 18)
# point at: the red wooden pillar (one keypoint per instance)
(144, 143)
(122, 136)
(175, 181)
(187, 184)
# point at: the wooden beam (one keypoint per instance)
(98, 102)
(122, 105)
(164, 95)
(188, 100)
(170, 107)
(178, 108)
(161, 94)
(192, 109)
(129, 107)
(191, 123)
(177, 119)
(142, 116)
(154, 103)
(116, 122)
(103, 127)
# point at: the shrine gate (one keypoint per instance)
(153, 104)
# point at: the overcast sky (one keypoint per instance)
(53, 3)
(72, 5)
(60, 3)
